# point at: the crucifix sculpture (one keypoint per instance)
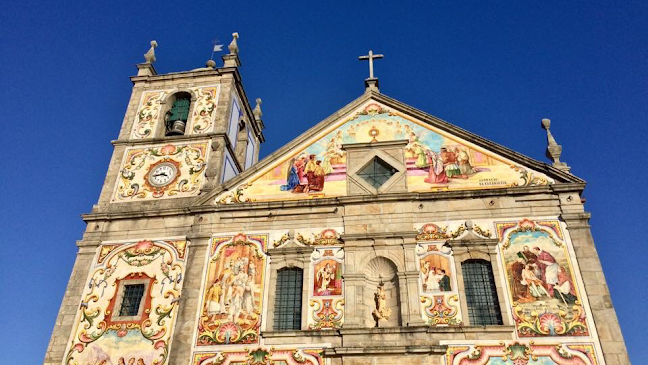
(371, 56)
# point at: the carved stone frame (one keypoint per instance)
(290, 255)
(483, 249)
(361, 154)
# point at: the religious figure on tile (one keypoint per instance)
(465, 167)
(323, 278)
(434, 273)
(213, 298)
(328, 278)
(450, 165)
(436, 173)
(292, 179)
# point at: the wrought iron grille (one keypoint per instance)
(288, 299)
(131, 300)
(481, 293)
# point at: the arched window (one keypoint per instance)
(288, 299)
(176, 118)
(481, 293)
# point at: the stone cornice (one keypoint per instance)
(169, 139)
(191, 208)
(380, 235)
(374, 350)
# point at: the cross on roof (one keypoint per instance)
(371, 56)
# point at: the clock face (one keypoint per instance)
(162, 175)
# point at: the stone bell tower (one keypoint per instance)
(183, 134)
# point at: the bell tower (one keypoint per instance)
(183, 133)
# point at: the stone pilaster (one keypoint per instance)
(598, 294)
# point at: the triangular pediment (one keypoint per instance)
(438, 157)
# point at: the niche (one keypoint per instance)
(381, 272)
(175, 119)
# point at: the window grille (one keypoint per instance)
(481, 293)
(288, 299)
(377, 172)
(131, 300)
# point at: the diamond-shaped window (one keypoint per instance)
(377, 172)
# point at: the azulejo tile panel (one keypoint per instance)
(544, 295)
(522, 353)
(101, 333)
(260, 356)
(148, 114)
(161, 171)
(204, 110)
(435, 161)
(438, 285)
(326, 292)
(232, 300)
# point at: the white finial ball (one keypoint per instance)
(154, 44)
(235, 35)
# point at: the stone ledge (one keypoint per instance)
(188, 205)
(388, 330)
(377, 350)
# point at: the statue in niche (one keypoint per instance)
(380, 297)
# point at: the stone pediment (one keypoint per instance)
(438, 156)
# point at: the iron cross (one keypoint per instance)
(371, 56)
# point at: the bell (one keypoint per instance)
(177, 128)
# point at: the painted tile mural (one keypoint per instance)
(150, 112)
(232, 299)
(326, 292)
(204, 109)
(114, 327)
(437, 274)
(435, 161)
(311, 237)
(162, 171)
(438, 285)
(543, 293)
(260, 356)
(326, 286)
(517, 353)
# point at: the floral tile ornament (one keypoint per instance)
(522, 353)
(157, 172)
(101, 333)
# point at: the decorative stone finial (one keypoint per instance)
(233, 47)
(210, 64)
(554, 150)
(231, 59)
(149, 56)
(257, 109)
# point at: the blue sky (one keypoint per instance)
(495, 69)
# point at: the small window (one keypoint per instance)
(176, 118)
(131, 300)
(288, 300)
(377, 172)
(481, 293)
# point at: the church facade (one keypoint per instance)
(382, 235)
